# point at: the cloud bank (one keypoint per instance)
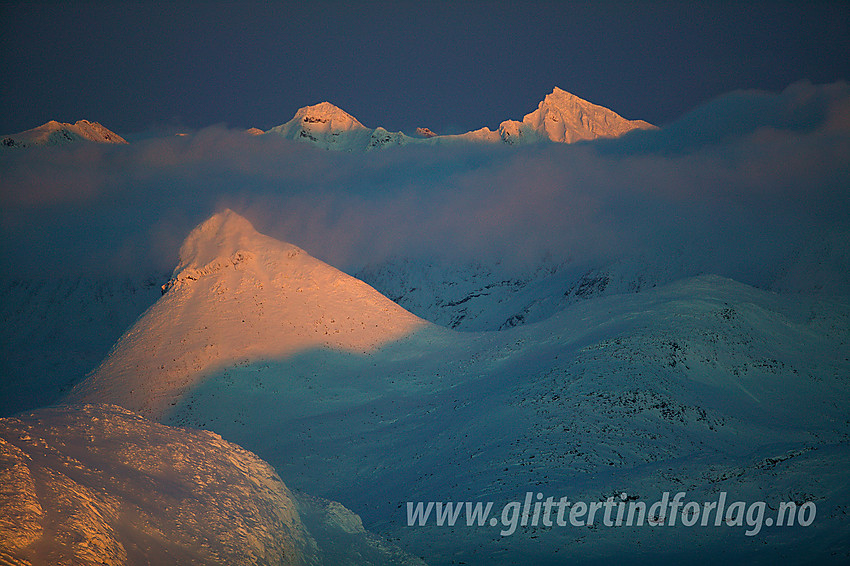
(753, 185)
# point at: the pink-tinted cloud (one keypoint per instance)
(748, 182)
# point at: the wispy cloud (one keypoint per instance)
(748, 182)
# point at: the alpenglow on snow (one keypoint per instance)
(560, 117)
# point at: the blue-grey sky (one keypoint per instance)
(450, 66)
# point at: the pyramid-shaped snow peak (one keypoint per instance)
(58, 133)
(564, 117)
(238, 296)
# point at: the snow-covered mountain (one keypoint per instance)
(689, 336)
(565, 118)
(238, 296)
(97, 484)
(326, 126)
(703, 385)
(330, 127)
(560, 117)
(58, 133)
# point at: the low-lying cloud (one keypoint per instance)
(753, 185)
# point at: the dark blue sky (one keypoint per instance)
(449, 66)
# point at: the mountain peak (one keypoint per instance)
(564, 117)
(59, 133)
(226, 238)
(326, 125)
(325, 112)
(221, 227)
(239, 295)
(558, 92)
(561, 99)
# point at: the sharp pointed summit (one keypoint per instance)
(237, 295)
(564, 117)
(220, 238)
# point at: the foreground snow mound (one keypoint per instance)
(238, 296)
(101, 485)
(98, 484)
(58, 133)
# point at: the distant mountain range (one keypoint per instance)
(560, 117)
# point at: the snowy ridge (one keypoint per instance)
(478, 297)
(561, 117)
(238, 296)
(98, 484)
(58, 133)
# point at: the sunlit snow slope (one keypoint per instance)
(96, 484)
(58, 133)
(560, 117)
(702, 385)
(238, 296)
(565, 118)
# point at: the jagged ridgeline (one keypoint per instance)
(560, 117)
